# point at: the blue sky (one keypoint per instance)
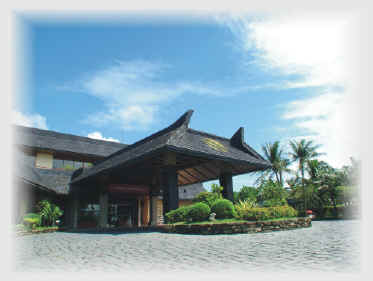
(278, 77)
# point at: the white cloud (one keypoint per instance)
(31, 120)
(314, 47)
(98, 136)
(332, 122)
(132, 93)
(316, 50)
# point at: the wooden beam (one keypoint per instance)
(192, 175)
(207, 172)
(196, 170)
(182, 179)
(187, 176)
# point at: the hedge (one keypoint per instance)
(223, 209)
(177, 215)
(198, 212)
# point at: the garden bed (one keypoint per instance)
(232, 227)
(37, 230)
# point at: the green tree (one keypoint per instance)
(248, 193)
(330, 180)
(271, 194)
(302, 151)
(217, 189)
(274, 154)
(208, 198)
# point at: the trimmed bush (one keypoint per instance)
(31, 220)
(223, 209)
(177, 215)
(208, 198)
(198, 212)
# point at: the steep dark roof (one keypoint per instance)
(48, 180)
(178, 137)
(56, 180)
(188, 192)
(50, 140)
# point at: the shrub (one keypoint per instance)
(254, 214)
(265, 213)
(177, 215)
(274, 202)
(248, 193)
(243, 206)
(342, 212)
(48, 212)
(271, 194)
(198, 212)
(208, 198)
(32, 220)
(223, 209)
(282, 212)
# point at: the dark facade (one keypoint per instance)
(102, 183)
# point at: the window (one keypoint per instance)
(78, 164)
(57, 164)
(44, 160)
(68, 165)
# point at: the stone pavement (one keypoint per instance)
(326, 246)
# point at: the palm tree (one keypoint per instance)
(303, 151)
(274, 154)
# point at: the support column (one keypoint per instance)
(154, 209)
(139, 218)
(71, 210)
(170, 189)
(104, 206)
(145, 211)
(226, 182)
(75, 210)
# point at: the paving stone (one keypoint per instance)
(326, 246)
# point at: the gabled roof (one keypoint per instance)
(178, 137)
(54, 141)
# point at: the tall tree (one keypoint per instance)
(274, 154)
(303, 151)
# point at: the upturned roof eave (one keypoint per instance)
(262, 163)
(183, 121)
(177, 130)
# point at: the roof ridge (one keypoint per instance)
(182, 121)
(207, 134)
(51, 133)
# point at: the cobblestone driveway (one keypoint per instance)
(326, 246)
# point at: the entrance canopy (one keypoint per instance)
(197, 157)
